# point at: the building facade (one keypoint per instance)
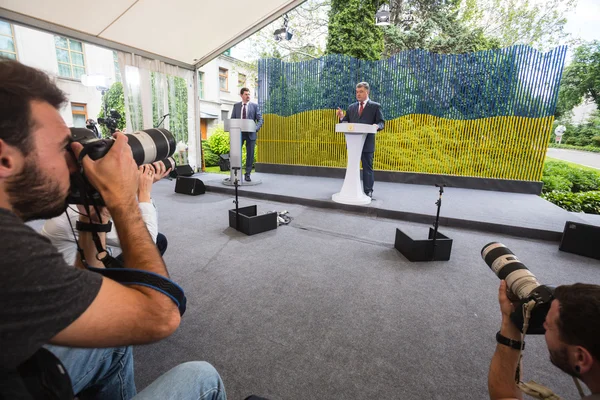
(219, 84)
(65, 60)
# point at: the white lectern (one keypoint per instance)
(235, 127)
(352, 191)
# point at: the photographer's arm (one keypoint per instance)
(123, 315)
(501, 378)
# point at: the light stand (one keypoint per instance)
(436, 247)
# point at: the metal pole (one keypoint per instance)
(437, 220)
(236, 201)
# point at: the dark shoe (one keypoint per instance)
(247, 178)
(370, 194)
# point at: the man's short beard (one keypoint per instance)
(560, 358)
(33, 195)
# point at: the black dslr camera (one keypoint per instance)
(147, 146)
(522, 285)
(110, 122)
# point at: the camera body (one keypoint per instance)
(148, 146)
(521, 284)
(110, 122)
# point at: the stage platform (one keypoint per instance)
(522, 215)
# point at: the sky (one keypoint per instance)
(584, 21)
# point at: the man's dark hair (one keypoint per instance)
(19, 85)
(579, 316)
(244, 89)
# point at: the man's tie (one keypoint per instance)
(244, 112)
(360, 110)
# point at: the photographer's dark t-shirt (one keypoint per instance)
(40, 294)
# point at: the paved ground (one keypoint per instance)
(586, 158)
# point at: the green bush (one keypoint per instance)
(219, 141)
(566, 200)
(571, 188)
(556, 183)
(210, 159)
(587, 202)
(590, 202)
(581, 180)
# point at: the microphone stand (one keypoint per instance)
(236, 201)
(437, 220)
(162, 120)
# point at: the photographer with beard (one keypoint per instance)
(572, 336)
(43, 300)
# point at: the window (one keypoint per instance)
(79, 111)
(224, 115)
(223, 79)
(117, 69)
(201, 84)
(8, 48)
(227, 52)
(241, 80)
(69, 52)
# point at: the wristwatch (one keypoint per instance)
(515, 344)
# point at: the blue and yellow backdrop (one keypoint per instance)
(487, 114)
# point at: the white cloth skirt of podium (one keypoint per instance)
(352, 190)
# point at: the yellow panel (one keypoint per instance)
(497, 147)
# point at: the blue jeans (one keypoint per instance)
(107, 374)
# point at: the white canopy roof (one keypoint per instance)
(186, 33)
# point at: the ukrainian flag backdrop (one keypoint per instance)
(487, 114)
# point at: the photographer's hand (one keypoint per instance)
(115, 175)
(160, 171)
(501, 377)
(145, 183)
(507, 328)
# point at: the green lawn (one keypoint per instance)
(572, 164)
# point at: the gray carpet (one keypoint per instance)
(325, 308)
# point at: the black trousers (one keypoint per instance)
(249, 151)
(368, 176)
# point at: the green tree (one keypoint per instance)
(437, 26)
(115, 100)
(352, 29)
(581, 79)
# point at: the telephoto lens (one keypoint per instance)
(522, 284)
(151, 145)
(147, 146)
(506, 266)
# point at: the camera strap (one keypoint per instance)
(128, 276)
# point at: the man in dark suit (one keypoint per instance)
(365, 111)
(247, 110)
